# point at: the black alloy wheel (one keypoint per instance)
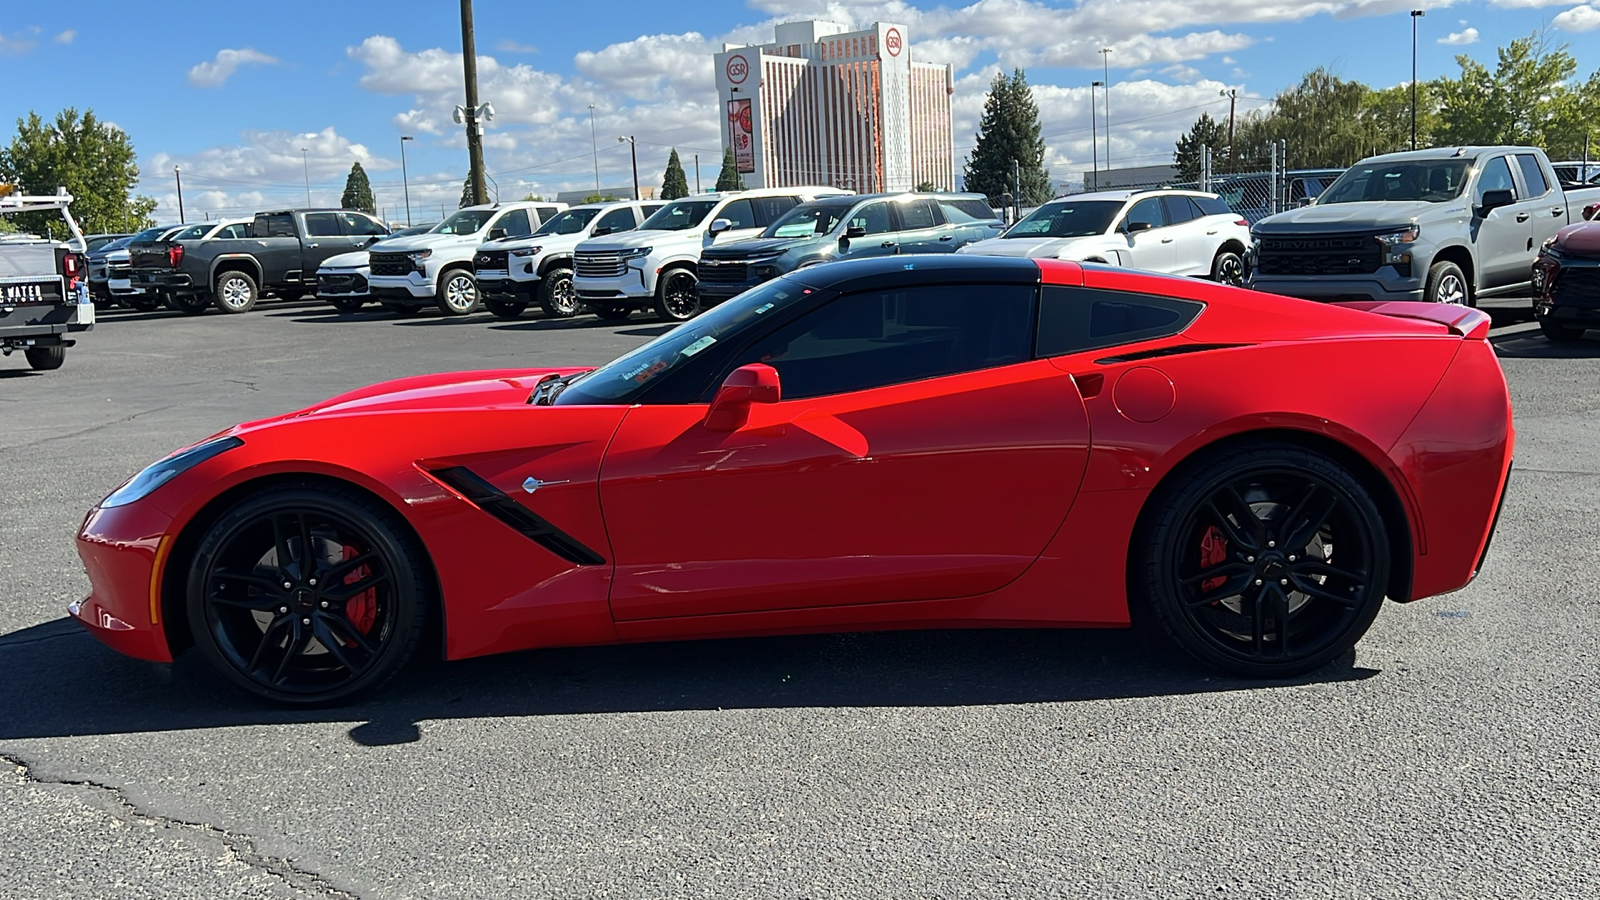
(557, 297)
(676, 297)
(1228, 268)
(1266, 561)
(308, 595)
(504, 309)
(611, 313)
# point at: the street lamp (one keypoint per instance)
(179, 177)
(595, 149)
(404, 182)
(305, 165)
(1233, 97)
(1105, 71)
(1094, 134)
(634, 149)
(1415, 15)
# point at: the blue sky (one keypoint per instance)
(233, 96)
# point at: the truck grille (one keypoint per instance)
(342, 283)
(492, 259)
(123, 270)
(1578, 286)
(723, 271)
(389, 264)
(599, 264)
(1334, 254)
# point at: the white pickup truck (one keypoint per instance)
(435, 268)
(516, 272)
(44, 285)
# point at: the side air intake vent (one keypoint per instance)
(489, 499)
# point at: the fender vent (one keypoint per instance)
(1175, 350)
(490, 499)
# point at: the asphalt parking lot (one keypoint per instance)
(1452, 755)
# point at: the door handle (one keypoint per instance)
(1166, 240)
(313, 246)
(1212, 231)
(1522, 217)
(887, 244)
(948, 237)
(1556, 210)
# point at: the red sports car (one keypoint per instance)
(903, 442)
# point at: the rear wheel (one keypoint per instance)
(308, 595)
(348, 304)
(676, 300)
(234, 292)
(504, 309)
(458, 293)
(1447, 284)
(1267, 561)
(557, 297)
(1558, 333)
(1228, 268)
(44, 359)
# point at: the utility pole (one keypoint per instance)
(595, 149)
(633, 147)
(404, 181)
(179, 176)
(306, 167)
(1094, 136)
(1105, 71)
(1233, 96)
(697, 171)
(469, 65)
(1415, 15)
(1016, 195)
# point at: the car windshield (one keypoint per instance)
(117, 244)
(1067, 218)
(466, 221)
(415, 229)
(680, 215)
(193, 232)
(569, 221)
(150, 234)
(809, 219)
(619, 379)
(1432, 180)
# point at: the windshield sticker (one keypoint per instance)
(646, 372)
(698, 345)
(763, 308)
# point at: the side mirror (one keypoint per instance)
(1134, 227)
(746, 385)
(373, 239)
(602, 229)
(720, 225)
(855, 231)
(496, 234)
(1493, 200)
(1591, 212)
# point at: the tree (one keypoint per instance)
(466, 194)
(1529, 98)
(1009, 144)
(93, 160)
(358, 191)
(675, 183)
(598, 198)
(728, 179)
(925, 187)
(1206, 132)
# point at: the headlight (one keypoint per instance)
(419, 254)
(636, 252)
(527, 251)
(155, 475)
(1396, 244)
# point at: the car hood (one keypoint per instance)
(1033, 248)
(756, 247)
(1581, 239)
(628, 240)
(415, 242)
(1344, 217)
(352, 260)
(418, 393)
(547, 242)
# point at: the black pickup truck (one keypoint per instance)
(44, 285)
(280, 257)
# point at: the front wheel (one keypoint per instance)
(458, 293)
(1228, 268)
(1267, 561)
(43, 359)
(1560, 334)
(676, 298)
(307, 595)
(1447, 284)
(557, 297)
(234, 292)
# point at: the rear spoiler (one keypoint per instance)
(1463, 321)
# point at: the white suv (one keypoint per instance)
(654, 267)
(516, 272)
(436, 267)
(1169, 231)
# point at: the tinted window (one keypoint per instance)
(361, 226)
(771, 209)
(616, 220)
(545, 212)
(679, 215)
(570, 222)
(464, 221)
(916, 214)
(874, 217)
(515, 223)
(739, 213)
(1179, 209)
(236, 230)
(1146, 210)
(1496, 177)
(193, 232)
(275, 226)
(1532, 175)
(322, 225)
(650, 209)
(965, 212)
(1073, 319)
(1432, 180)
(1213, 206)
(1067, 218)
(807, 219)
(868, 340)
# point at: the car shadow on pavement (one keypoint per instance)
(1532, 344)
(578, 322)
(61, 681)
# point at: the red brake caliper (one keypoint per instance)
(362, 609)
(1213, 551)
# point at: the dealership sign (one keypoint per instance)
(737, 68)
(739, 132)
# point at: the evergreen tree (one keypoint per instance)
(1009, 139)
(728, 179)
(1206, 132)
(358, 191)
(675, 183)
(466, 193)
(93, 160)
(925, 187)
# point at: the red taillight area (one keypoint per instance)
(72, 268)
(175, 255)
(1242, 222)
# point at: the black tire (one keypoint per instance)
(323, 639)
(458, 293)
(1231, 567)
(504, 309)
(146, 302)
(1448, 284)
(189, 304)
(234, 292)
(1228, 268)
(348, 304)
(676, 297)
(612, 313)
(557, 297)
(402, 309)
(43, 359)
(1560, 334)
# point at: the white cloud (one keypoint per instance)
(1179, 73)
(1527, 4)
(17, 43)
(1460, 38)
(65, 37)
(215, 73)
(507, 45)
(1578, 18)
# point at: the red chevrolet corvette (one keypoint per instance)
(904, 442)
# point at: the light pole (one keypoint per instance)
(595, 149)
(697, 171)
(305, 166)
(404, 181)
(1233, 97)
(1415, 15)
(633, 147)
(1105, 71)
(179, 177)
(1094, 134)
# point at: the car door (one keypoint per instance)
(1503, 234)
(1549, 212)
(878, 237)
(919, 452)
(1147, 248)
(742, 218)
(513, 222)
(324, 237)
(1191, 246)
(921, 228)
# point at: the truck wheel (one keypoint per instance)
(504, 309)
(1448, 284)
(458, 293)
(1228, 268)
(675, 298)
(611, 313)
(1559, 333)
(190, 304)
(145, 302)
(556, 295)
(348, 304)
(234, 292)
(402, 309)
(46, 358)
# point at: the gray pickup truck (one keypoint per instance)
(1447, 225)
(280, 256)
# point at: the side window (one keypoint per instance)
(648, 210)
(876, 338)
(545, 213)
(1213, 206)
(322, 225)
(1074, 319)
(1532, 175)
(1146, 210)
(874, 217)
(278, 226)
(1178, 209)
(361, 226)
(236, 230)
(515, 223)
(739, 213)
(915, 214)
(1496, 177)
(770, 209)
(966, 212)
(620, 219)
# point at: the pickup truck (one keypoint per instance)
(280, 256)
(435, 268)
(1448, 225)
(44, 285)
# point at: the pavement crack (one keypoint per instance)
(90, 430)
(240, 847)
